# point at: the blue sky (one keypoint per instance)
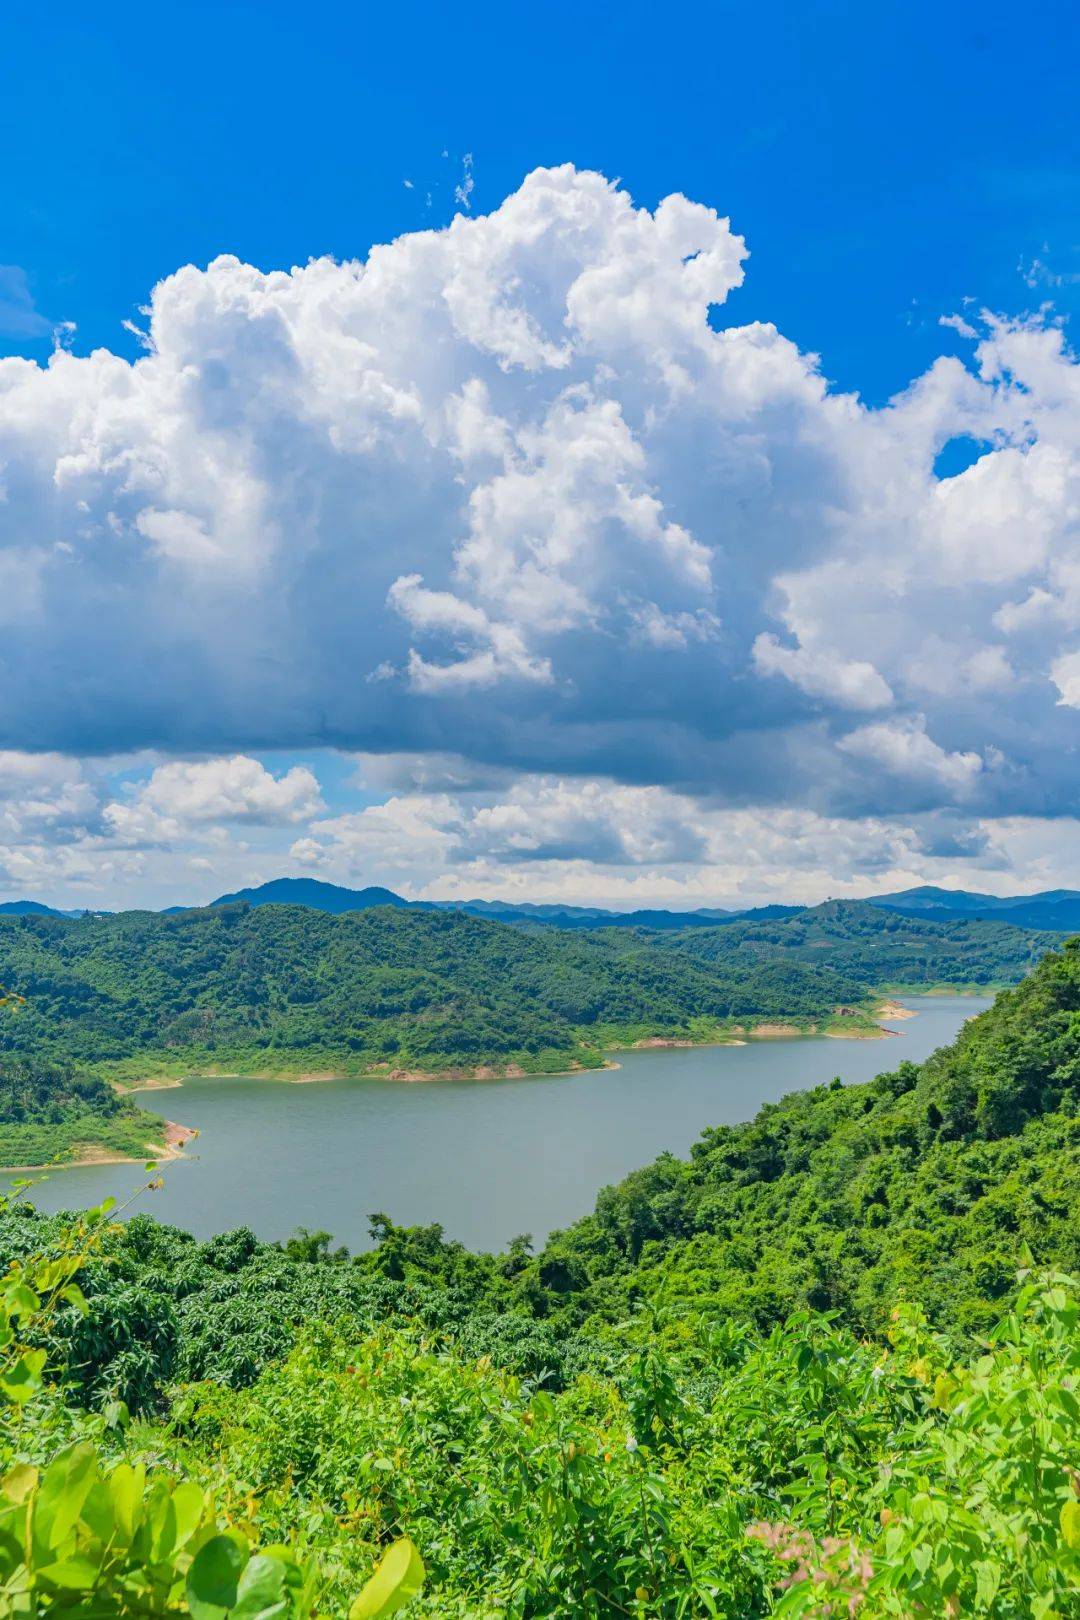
(885, 162)
(272, 545)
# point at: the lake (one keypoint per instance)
(488, 1159)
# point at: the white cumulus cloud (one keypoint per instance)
(183, 796)
(519, 489)
(849, 684)
(905, 749)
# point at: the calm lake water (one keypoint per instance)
(489, 1159)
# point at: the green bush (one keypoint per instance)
(93, 1537)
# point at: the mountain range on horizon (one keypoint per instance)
(1057, 910)
(34, 908)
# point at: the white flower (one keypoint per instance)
(631, 1443)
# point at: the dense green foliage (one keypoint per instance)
(48, 1111)
(163, 1307)
(85, 1534)
(879, 949)
(283, 987)
(664, 1493)
(718, 1395)
(927, 1179)
(801, 1472)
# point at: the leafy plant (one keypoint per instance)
(98, 1538)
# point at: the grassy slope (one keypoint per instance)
(36, 1146)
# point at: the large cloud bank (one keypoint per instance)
(516, 489)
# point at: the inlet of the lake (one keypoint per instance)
(487, 1159)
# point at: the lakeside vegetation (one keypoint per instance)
(290, 992)
(792, 1375)
(53, 1113)
(927, 1181)
(278, 988)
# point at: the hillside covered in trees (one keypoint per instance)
(717, 1396)
(283, 987)
(928, 1182)
(879, 949)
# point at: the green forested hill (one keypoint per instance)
(652, 1417)
(880, 949)
(927, 1182)
(280, 986)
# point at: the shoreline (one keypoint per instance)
(888, 1007)
(777, 1031)
(313, 1077)
(178, 1136)
(738, 1035)
(176, 1140)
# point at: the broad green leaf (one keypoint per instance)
(65, 1485)
(74, 1295)
(19, 1300)
(987, 1579)
(76, 1574)
(126, 1488)
(99, 1512)
(20, 1382)
(263, 1593)
(18, 1482)
(189, 1505)
(164, 1527)
(214, 1578)
(397, 1579)
(1069, 1519)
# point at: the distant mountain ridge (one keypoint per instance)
(1053, 910)
(30, 908)
(587, 916)
(596, 917)
(332, 897)
(312, 892)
